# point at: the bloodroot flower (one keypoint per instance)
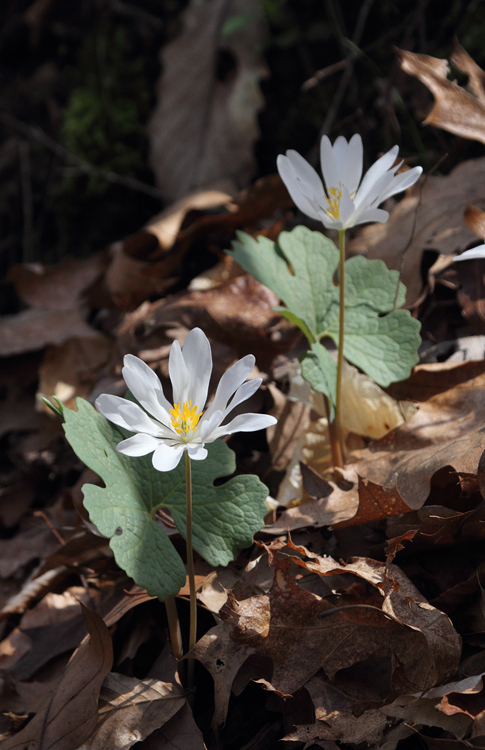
(166, 430)
(344, 201)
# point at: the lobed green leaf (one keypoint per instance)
(225, 518)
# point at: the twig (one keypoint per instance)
(41, 514)
(347, 75)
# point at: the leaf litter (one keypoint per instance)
(366, 624)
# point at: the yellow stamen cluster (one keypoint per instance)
(334, 196)
(185, 419)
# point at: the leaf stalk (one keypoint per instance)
(340, 357)
(190, 569)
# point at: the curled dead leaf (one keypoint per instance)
(456, 109)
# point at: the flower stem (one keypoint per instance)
(340, 359)
(190, 568)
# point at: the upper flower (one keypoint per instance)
(166, 430)
(345, 201)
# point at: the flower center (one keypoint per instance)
(334, 196)
(185, 419)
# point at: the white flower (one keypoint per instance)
(166, 430)
(345, 201)
(475, 252)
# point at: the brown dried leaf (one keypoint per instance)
(238, 314)
(285, 626)
(33, 540)
(426, 666)
(401, 464)
(33, 329)
(130, 710)
(439, 224)
(457, 110)
(179, 733)
(70, 712)
(475, 219)
(204, 133)
(72, 369)
(57, 287)
(223, 658)
(336, 508)
(469, 278)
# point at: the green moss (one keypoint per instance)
(104, 121)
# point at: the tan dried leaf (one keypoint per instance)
(285, 626)
(475, 219)
(72, 369)
(402, 464)
(57, 287)
(69, 715)
(203, 133)
(439, 224)
(131, 709)
(457, 110)
(31, 330)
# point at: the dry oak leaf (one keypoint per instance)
(284, 626)
(438, 212)
(435, 654)
(456, 109)
(179, 733)
(238, 313)
(203, 133)
(223, 658)
(72, 369)
(146, 263)
(452, 707)
(57, 287)
(70, 712)
(33, 329)
(447, 430)
(131, 709)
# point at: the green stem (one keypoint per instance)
(190, 568)
(174, 630)
(340, 359)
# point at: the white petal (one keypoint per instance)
(229, 383)
(472, 254)
(328, 221)
(294, 187)
(198, 453)
(371, 214)
(330, 169)
(245, 423)
(209, 425)
(198, 358)
(346, 208)
(307, 175)
(340, 151)
(167, 457)
(138, 445)
(242, 394)
(352, 168)
(179, 374)
(373, 174)
(146, 388)
(401, 182)
(373, 196)
(128, 415)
